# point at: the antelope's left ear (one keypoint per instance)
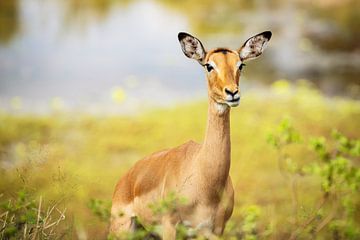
(254, 46)
(192, 47)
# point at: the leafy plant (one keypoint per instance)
(25, 218)
(339, 181)
(100, 208)
(249, 225)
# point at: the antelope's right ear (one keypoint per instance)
(254, 46)
(192, 47)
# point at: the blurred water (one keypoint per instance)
(63, 54)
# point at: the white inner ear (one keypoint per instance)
(245, 52)
(211, 63)
(253, 47)
(192, 48)
(264, 45)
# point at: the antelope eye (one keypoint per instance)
(241, 66)
(209, 67)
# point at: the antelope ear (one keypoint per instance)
(192, 47)
(254, 46)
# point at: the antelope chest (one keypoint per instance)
(199, 215)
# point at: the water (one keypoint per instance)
(61, 54)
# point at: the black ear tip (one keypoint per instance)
(182, 35)
(267, 34)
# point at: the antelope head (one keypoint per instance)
(223, 66)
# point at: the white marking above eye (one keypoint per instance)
(238, 64)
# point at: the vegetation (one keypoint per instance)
(24, 218)
(295, 166)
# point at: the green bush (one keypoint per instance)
(339, 181)
(25, 218)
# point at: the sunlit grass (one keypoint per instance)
(79, 157)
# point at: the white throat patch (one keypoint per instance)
(221, 108)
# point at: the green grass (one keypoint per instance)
(75, 157)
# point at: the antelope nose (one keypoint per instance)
(233, 94)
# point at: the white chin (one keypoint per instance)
(233, 104)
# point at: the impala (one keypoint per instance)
(197, 172)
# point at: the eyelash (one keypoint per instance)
(241, 66)
(208, 67)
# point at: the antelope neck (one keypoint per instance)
(214, 156)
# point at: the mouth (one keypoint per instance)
(233, 103)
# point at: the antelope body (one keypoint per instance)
(197, 172)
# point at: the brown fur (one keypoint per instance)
(198, 172)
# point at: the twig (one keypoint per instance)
(328, 218)
(5, 220)
(25, 230)
(310, 220)
(295, 197)
(281, 157)
(38, 219)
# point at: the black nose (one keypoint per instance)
(230, 92)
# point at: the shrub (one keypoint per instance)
(339, 181)
(25, 218)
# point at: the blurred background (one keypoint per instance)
(88, 87)
(86, 54)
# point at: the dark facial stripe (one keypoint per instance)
(223, 50)
(217, 50)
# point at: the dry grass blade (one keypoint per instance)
(37, 227)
